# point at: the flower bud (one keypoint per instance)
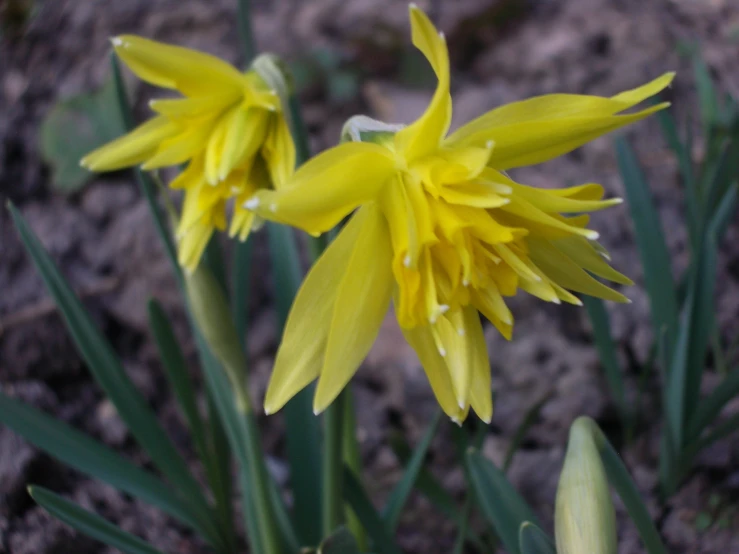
(584, 517)
(213, 317)
(361, 128)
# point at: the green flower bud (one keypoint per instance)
(584, 517)
(211, 312)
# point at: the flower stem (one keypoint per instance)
(247, 31)
(333, 461)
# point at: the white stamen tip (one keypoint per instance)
(117, 41)
(461, 332)
(465, 282)
(252, 203)
(267, 411)
(593, 235)
(441, 35)
(413, 6)
(442, 352)
(273, 207)
(457, 421)
(443, 308)
(489, 144)
(235, 190)
(407, 260)
(432, 319)
(461, 404)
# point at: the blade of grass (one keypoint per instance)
(240, 287)
(302, 430)
(532, 540)
(89, 524)
(398, 497)
(653, 251)
(463, 526)
(88, 456)
(500, 503)
(720, 431)
(353, 460)
(711, 406)
(707, 97)
(619, 478)
(357, 498)
(112, 378)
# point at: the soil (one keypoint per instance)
(502, 50)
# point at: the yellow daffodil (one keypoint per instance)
(229, 128)
(442, 231)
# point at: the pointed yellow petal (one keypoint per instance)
(538, 129)
(201, 107)
(191, 177)
(491, 304)
(424, 135)
(300, 355)
(481, 395)
(191, 72)
(181, 147)
(244, 135)
(362, 299)
(422, 341)
(279, 152)
(192, 245)
(132, 148)
(585, 254)
(544, 200)
(328, 187)
(454, 348)
(562, 270)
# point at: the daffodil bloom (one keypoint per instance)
(228, 127)
(442, 231)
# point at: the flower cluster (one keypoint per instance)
(228, 127)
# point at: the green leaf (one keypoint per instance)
(711, 406)
(608, 354)
(528, 420)
(707, 97)
(500, 503)
(215, 458)
(240, 283)
(87, 455)
(684, 377)
(340, 542)
(653, 251)
(620, 479)
(532, 540)
(398, 497)
(302, 429)
(73, 128)
(112, 378)
(723, 429)
(361, 504)
(90, 524)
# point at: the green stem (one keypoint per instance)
(333, 502)
(352, 460)
(246, 30)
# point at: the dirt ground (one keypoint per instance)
(501, 50)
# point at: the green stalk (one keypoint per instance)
(352, 460)
(333, 502)
(246, 30)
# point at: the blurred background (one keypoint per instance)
(348, 57)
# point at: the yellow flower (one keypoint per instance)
(228, 128)
(443, 232)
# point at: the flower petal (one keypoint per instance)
(132, 148)
(481, 395)
(425, 134)
(328, 187)
(538, 129)
(191, 72)
(362, 299)
(422, 341)
(279, 152)
(300, 355)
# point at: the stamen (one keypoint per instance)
(442, 351)
(465, 282)
(461, 332)
(252, 203)
(489, 144)
(443, 308)
(407, 260)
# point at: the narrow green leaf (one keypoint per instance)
(146, 183)
(303, 434)
(500, 503)
(215, 458)
(463, 527)
(620, 479)
(398, 497)
(711, 406)
(361, 504)
(528, 420)
(90, 524)
(85, 454)
(723, 429)
(653, 251)
(532, 540)
(707, 97)
(725, 211)
(688, 361)
(353, 460)
(112, 378)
